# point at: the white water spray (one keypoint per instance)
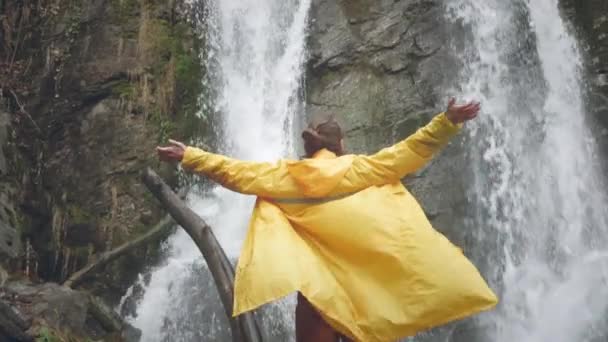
(536, 185)
(256, 58)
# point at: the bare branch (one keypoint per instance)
(24, 112)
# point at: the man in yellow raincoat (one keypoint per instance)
(343, 232)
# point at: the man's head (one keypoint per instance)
(325, 135)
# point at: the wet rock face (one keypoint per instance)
(10, 243)
(87, 90)
(383, 67)
(11, 247)
(374, 64)
(28, 311)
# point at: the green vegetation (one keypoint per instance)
(123, 10)
(21, 223)
(124, 89)
(73, 22)
(78, 215)
(163, 124)
(178, 67)
(47, 335)
(172, 69)
(73, 25)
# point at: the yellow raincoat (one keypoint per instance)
(347, 234)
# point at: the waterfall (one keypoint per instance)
(256, 54)
(537, 223)
(536, 194)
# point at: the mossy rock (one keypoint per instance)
(124, 89)
(46, 334)
(77, 214)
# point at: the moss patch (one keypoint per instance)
(77, 214)
(46, 334)
(124, 10)
(176, 67)
(124, 89)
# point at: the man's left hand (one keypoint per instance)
(461, 113)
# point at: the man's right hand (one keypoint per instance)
(461, 113)
(172, 153)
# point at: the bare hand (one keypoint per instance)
(461, 113)
(172, 153)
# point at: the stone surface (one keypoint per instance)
(10, 241)
(10, 246)
(12, 325)
(60, 307)
(93, 87)
(59, 310)
(4, 123)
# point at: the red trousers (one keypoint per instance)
(310, 326)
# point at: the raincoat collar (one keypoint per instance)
(319, 175)
(324, 154)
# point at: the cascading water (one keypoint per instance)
(539, 221)
(256, 53)
(537, 226)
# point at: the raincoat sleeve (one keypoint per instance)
(393, 163)
(251, 178)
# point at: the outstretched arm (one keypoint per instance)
(393, 163)
(252, 178)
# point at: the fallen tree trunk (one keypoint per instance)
(244, 327)
(77, 277)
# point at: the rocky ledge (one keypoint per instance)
(51, 312)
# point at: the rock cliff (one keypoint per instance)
(88, 88)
